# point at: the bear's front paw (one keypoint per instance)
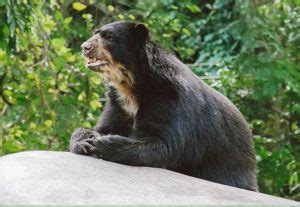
(83, 141)
(84, 147)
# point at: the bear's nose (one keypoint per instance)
(87, 47)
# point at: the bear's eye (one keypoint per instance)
(107, 35)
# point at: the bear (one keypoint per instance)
(160, 114)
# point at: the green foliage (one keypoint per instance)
(248, 51)
(265, 74)
(46, 90)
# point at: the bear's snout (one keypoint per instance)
(86, 47)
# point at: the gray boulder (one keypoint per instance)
(40, 177)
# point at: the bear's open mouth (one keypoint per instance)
(94, 63)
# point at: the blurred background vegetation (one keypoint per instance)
(248, 50)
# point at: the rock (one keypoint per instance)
(40, 177)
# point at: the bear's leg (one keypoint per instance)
(142, 152)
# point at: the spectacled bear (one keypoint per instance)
(160, 114)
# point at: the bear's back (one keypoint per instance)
(217, 127)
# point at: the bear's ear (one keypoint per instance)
(141, 31)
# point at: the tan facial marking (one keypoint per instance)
(114, 74)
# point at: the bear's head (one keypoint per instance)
(115, 48)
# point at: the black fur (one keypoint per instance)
(182, 124)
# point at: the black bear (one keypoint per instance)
(160, 114)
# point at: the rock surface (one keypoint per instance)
(40, 177)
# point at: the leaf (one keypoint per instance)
(121, 16)
(186, 31)
(70, 58)
(81, 96)
(58, 43)
(131, 17)
(78, 6)
(110, 8)
(95, 80)
(95, 104)
(68, 20)
(48, 123)
(193, 8)
(87, 124)
(32, 125)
